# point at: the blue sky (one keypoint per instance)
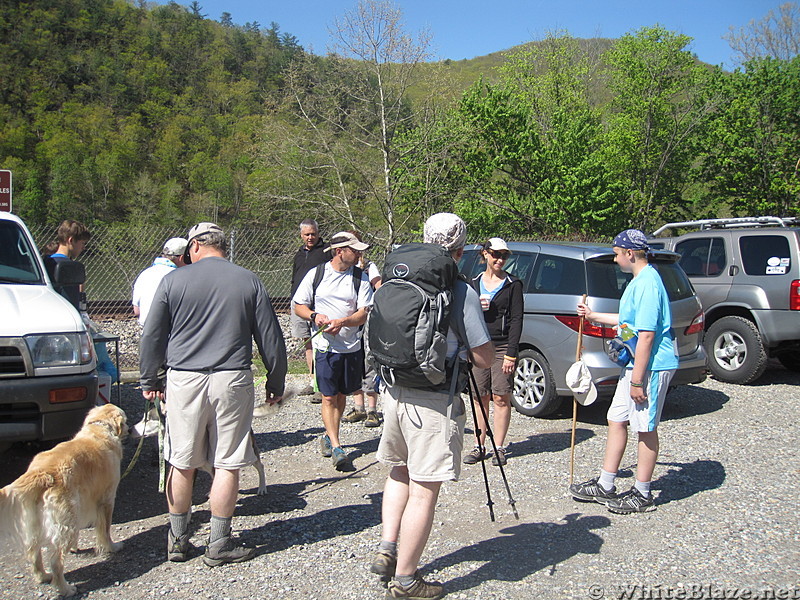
(469, 28)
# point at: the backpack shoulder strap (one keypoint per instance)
(319, 273)
(357, 272)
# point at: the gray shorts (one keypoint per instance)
(301, 329)
(418, 434)
(646, 416)
(209, 416)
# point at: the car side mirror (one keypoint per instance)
(69, 272)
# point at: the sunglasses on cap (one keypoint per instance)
(499, 254)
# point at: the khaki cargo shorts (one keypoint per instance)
(418, 434)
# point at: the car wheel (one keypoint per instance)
(790, 360)
(534, 387)
(735, 352)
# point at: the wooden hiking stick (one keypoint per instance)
(578, 351)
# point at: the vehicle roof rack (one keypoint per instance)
(729, 223)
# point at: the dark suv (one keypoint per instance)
(554, 278)
(747, 275)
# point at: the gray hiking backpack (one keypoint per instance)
(406, 331)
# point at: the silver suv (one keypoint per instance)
(554, 278)
(747, 275)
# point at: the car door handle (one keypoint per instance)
(733, 270)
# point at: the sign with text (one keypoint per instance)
(5, 190)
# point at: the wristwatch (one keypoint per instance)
(314, 317)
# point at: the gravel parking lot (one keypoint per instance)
(726, 521)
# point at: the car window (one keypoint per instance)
(518, 264)
(703, 256)
(675, 280)
(17, 258)
(557, 275)
(605, 279)
(765, 254)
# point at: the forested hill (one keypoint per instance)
(110, 110)
(116, 112)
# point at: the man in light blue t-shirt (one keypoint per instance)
(644, 314)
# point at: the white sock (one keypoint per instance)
(606, 480)
(643, 487)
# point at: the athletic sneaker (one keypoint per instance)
(178, 548)
(630, 502)
(476, 456)
(316, 398)
(419, 590)
(591, 490)
(339, 459)
(355, 415)
(223, 551)
(500, 457)
(372, 419)
(384, 564)
(325, 445)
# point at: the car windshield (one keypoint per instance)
(18, 262)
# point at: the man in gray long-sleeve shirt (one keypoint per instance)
(200, 325)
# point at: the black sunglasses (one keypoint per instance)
(499, 254)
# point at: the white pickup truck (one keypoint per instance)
(48, 380)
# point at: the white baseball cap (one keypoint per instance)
(175, 246)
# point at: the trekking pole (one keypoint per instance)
(490, 435)
(489, 502)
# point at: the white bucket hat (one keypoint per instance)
(579, 380)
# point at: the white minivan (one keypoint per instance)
(48, 380)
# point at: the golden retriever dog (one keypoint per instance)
(72, 486)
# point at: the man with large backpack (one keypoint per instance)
(424, 414)
(335, 297)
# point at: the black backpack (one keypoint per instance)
(406, 332)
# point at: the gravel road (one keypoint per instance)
(726, 522)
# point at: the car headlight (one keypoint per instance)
(59, 349)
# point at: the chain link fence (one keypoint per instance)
(117, 253)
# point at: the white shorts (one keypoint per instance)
(418, 434)
(646, 416)
(209, 416)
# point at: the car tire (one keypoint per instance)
(534, 392)
(735, 351)
(790, 360)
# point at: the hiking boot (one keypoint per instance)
(476, 456)
(384, 564)
(372, 419)
(339, 459)
(419, 590)
(591, 490)
(325, 445)
(223, 551)
(630, 502)
(500, 457)
(178, 548)
(316, 398)
(355, 415)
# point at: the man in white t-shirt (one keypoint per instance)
(144, 288)
(335, 298)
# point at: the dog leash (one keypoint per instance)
(161, 463)
(136, 454)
